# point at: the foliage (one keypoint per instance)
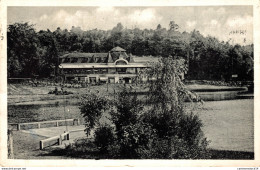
(135, 141)
(104, 137)
(176, 129)
(126, 109)
(133, 135)
(177, 148)
(83, 148)
(91, 107)
(22, 50)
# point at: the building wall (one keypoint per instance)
(96, 78)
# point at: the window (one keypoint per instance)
(92, 79)
(67, 60)
(121, 62)
(84, 60)
(121, 70)
(104, 70)
(74, 60)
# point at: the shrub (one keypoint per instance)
(92, 106)
(104, 137)
(83, 148)
(189, 128)
(135, 141)
(126, 109)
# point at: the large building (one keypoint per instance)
(116, 66)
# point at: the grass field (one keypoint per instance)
(26, 146)
(34, 113)
(229, 124)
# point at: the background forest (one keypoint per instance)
(36, 53)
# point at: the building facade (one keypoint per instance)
(116, 66)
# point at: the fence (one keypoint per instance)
(10, 144)
(35, 125)
(54, 140)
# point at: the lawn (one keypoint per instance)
(26, 146)
(34, 113)
(229, 124)
(26, 93)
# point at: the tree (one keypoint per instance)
(22, 50)
(116, 34)
(92, 106)
(168, 115)
(159, 27)
(49, 53)
(173, 26)
(132, 135)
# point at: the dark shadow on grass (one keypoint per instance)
(94, 153)
(237, 155)
(89, 154)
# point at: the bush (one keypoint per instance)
(135, 141)
(83, 148)
(104, 137)
(190, 128)
(91, 107)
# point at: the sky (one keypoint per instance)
(227, 23)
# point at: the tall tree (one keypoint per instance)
(49, 60)
(173, 26)
(23, 50)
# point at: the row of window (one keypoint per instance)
(83, 60)
(101, 71)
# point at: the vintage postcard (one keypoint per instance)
(120, 83)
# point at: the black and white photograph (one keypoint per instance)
(130, 82)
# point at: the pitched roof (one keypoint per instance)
(116, 56)
(84, 55)
(109, 60)
(146, 59)
(130, 59)
(118, 49)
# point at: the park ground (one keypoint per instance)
(227, 124)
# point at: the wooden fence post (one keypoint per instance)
(60, 140)
(41, 145)
(76, 122)
(10, 144)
